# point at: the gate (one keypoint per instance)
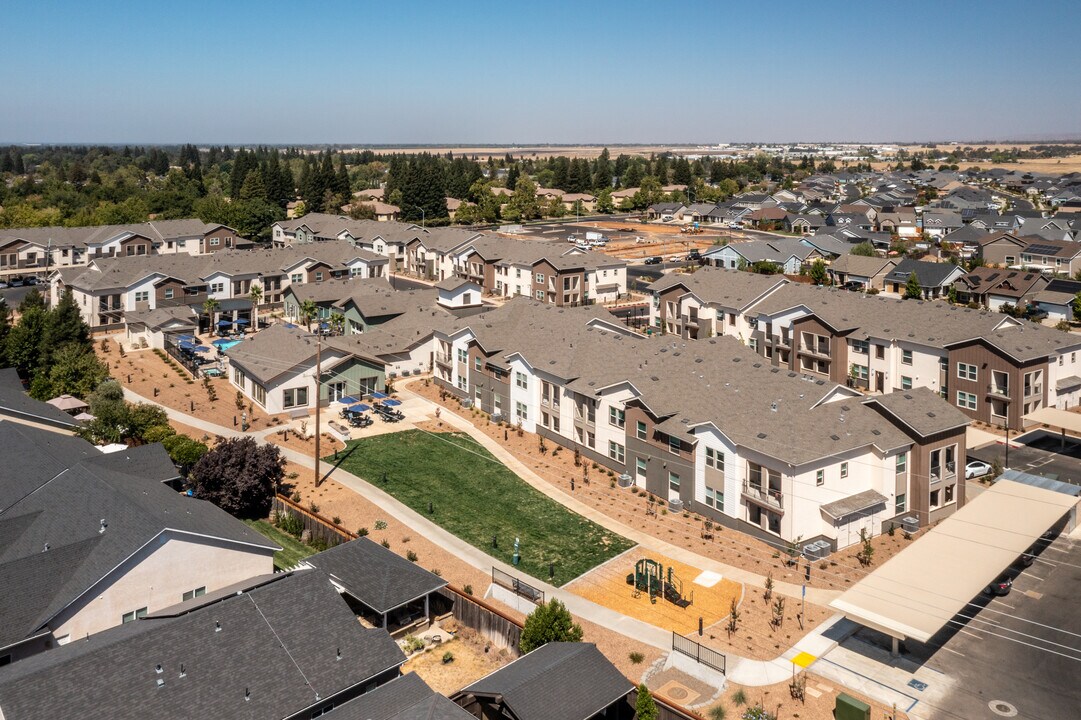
(698, 652)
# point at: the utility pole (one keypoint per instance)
(318, 392)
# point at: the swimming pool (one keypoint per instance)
(224, 345)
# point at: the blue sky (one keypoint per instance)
(234, 71)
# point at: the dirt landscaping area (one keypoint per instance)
(596, 486)
(710, 598)
(144, 372)
(820, 696)
(473, 658)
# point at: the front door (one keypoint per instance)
(336, 391)
(880, 381)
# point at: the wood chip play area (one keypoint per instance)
(659, 591)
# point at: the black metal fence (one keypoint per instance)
(516, 586)
(700, 653)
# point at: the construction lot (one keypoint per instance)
(710, 596)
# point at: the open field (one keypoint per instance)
(607, 585)
(476, 497)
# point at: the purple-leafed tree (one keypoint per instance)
(239, 476)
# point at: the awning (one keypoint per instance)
(1058, 419)
(67, 403)
(918, 591)
(1071, 381)
(854, 504)
(607, 288)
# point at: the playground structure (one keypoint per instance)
(649, 577)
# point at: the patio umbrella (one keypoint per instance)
(348, 400)
(187, 339)
(201, 349)
(359, 407)
(392, 402)
(379, 396)
(290, 325)
(67, 402)
(84, 417)
(186, 344)
(242, 321)
(323, 326)
(225, 323)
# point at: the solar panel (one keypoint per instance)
(1042, 249)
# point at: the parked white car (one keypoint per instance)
(976, 468)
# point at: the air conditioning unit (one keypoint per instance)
(497, 417)
(910, 523)
(824, 549)
(467, 403)
(675, 505)
(810, 551)
(625, 481)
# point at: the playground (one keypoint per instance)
(660, 591)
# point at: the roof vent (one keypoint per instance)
(338, 654)
(845, 408)
(103, 526)
(247, 694)
(161, 683)
(876, 432)
(157, 669)
(46, 548)
(757, 365)
(736, 359)
(761, 436)
(931, 415)
(183, 673)
(773, 406)
(907, 396)
(217, 626)
(834, 438)
(698, 360)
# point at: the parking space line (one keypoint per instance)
(1011, 607)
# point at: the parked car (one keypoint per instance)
(735, 225)
(1035, 314)
(4, 286)
(35, 281)
(15, 282)
(853, 285)
(694, 255)
(1000, 587)
(655, 260)
(976, 468)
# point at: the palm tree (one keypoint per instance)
(210, 307)
(308, 312)
(337, 321)
(256, 296)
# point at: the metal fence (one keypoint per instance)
(519, 588)
(700, 653)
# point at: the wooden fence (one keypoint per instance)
(491, 623)
(319, 527)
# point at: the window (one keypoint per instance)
(168, 293)
(640, 467)
(296, 278)
(142, 296)
(521, 412)
(715, 459)
(880, 352)
(949, 493)
(540, 278)
(715, 498)
(295, 397)
(966, 400)
(673, 482)
(860, 346)
(214, 242)
(540, 294)
(906, 357)
(844, 470)
(906, 383)
(197, 592)
(463, 356)
(934, 499)
(591, 439)
(902, 462)
(319, 276)
(462, 384)
(477, 364)
(673, 445)
(820, 477)
(259, 393)
(217, 287)
(640, 430)
(616, 416)
(966, 371)
(133, 615)
(239, 377)
(521, 380)
(900, 505)
(615, 451)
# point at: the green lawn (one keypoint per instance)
(475, 497)
(292, 552)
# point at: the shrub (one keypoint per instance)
(380, 525)
(718, 713)
(550, 622)
(362, 532)
(739, 697)
(468, 589)
(291, 524)
(336, 520)
(637, 658)
(296, 497)
(412, 644)
(646, 707)
(448, 657)
(411, 556)
(757, 713)
(385, 543)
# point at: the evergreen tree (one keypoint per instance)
(550, 622)
(512, 176)
(681, 172)
(5, 328)
(23, 342)
(913, 291)
(20, 167)
(632, 178)
(660, 170)
(602, 171)
(341, 181)
(254, 188)
(645, 708)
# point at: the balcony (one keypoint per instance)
(999, 391)
(690, 321)
(936, 472)
(771, 498)
(1034, 390)
(782, 341)
(444, 359)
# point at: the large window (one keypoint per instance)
(190, 594)
(715, 459)
(616, 416)
(259, 393)
(966, 400)
(673, 444)
(902, 462)
(715, 498)
(295, 397)
(239, 377)
(133, 615)
(906, 382)
(640, 430)
(860, 346)
(901, 505)
(521, 412)
(521, 380)
(616, 451)
(640, 467)
(966, 371)
(844, 470)
(673, 481)
(906, 357)
(142, 296)
(463, 355)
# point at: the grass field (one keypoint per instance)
(292, 552)
(475, 497)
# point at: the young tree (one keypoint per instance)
(604, 201)
(255, 294)
(308, 312)
(864, 248)
(550, 622)
(239, 476)
(5, 328)
(23, 342)
(818, 272)
(645, 708)
(1076, 308)
(523, 204)
(913, 291)
(183, 451)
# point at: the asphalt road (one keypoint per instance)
(1042, 457)
(1020, 652)
(14, 296)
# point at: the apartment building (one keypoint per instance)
(710, 425)
(110, 287)
(992, 367)
(34, 251)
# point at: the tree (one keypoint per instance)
(23, 342)
(523, 204)
(1076, 308)
(239, 476)
(645, 708)
(73, 370)
(183, 451)
(308, 312)
(64, 325)
(818, 272)
(913, 291)
(255, 294)
(604, 201)
(550, 622)
(864, 248)
(5, 328)
(211, 307)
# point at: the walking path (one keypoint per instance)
(743, 671)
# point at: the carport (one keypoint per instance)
(918, 591)
(1062, 420)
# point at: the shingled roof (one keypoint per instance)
(374, 575)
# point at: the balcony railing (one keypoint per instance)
(444, 358)
(770, 497)
(690, 321)
(1035, 390)
(1002, 391)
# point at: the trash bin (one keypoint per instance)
(849, 708)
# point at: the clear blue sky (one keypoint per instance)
(589, 71)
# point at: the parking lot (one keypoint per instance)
(1038, 453)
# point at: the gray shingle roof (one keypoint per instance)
(405, 698)
(374, 575)
(273, 351)
(15, 403)
(929, 274)
(557, 681)
(917, 409)
(854, 503)
(276, 653)
(729, 289)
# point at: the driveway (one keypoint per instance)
(1040, 454)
